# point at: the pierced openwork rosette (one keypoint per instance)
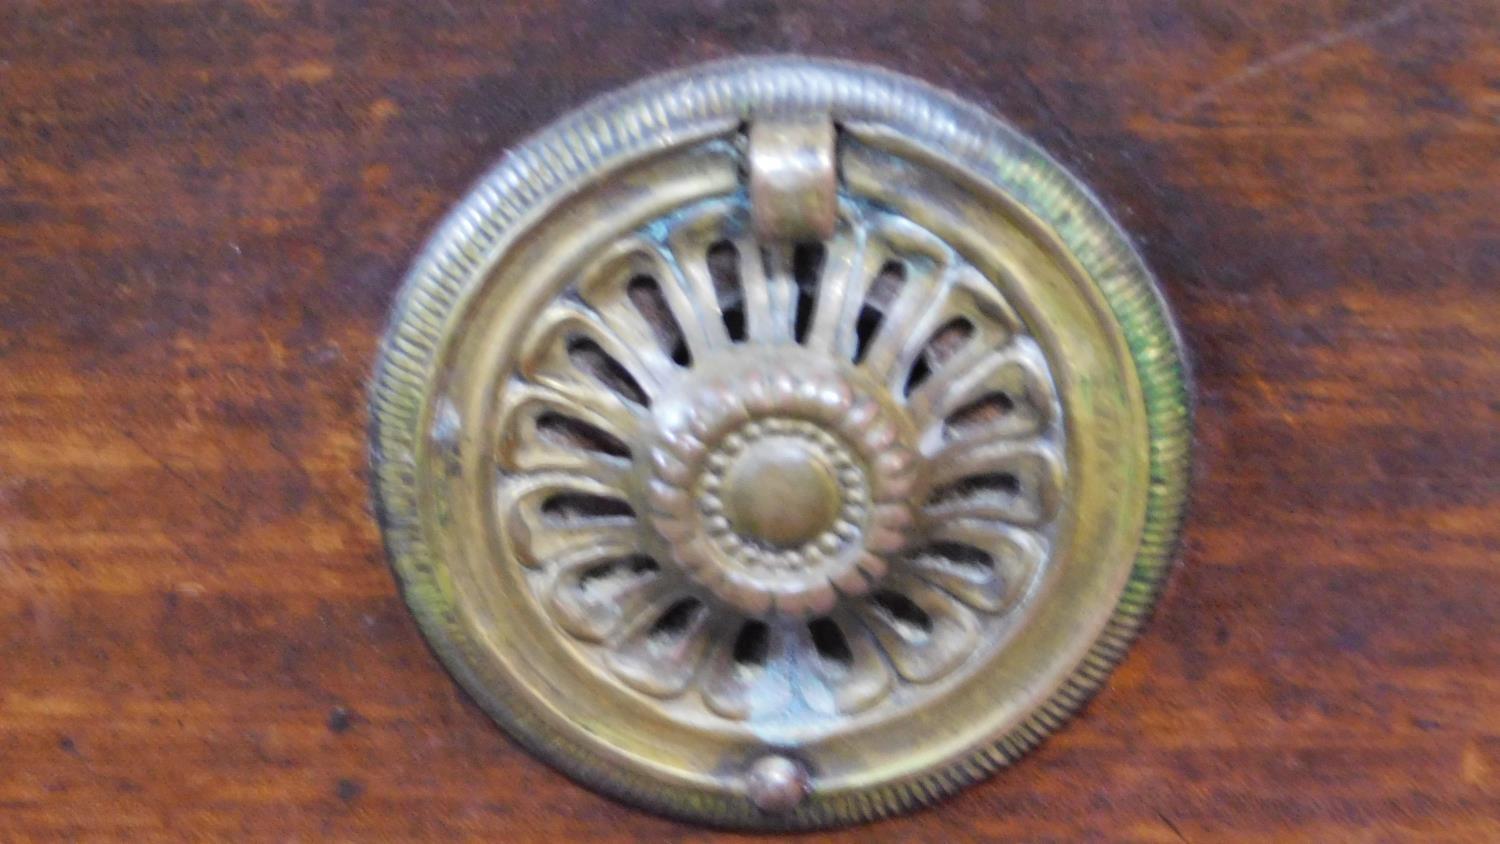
(752, 475)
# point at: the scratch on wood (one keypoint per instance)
(1294, 54)
(177, 475)
(1172, 826)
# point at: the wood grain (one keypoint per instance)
(205, 208)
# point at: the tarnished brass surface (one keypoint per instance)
(793, 177)
(781, 480)
(781, 492)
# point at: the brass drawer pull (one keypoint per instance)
(780, 443)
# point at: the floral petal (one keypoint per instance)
(925, 632)
(553, 516)
(576, 351)
(986, 565)
(986, 393)
(660, 654)
(745, 676)
(593, 596)
(994, 478)
(545, 431)
(926, 262)
(846, 659)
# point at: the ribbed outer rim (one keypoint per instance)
(658, 113)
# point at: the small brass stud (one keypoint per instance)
(776, 784)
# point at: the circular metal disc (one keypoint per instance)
(772, 476)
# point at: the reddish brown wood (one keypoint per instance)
(205, 208)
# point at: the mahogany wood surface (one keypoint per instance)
(205, 208)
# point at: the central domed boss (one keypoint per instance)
(782, 480)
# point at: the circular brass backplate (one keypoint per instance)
(780, 443)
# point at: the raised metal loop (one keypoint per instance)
(793, 177)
